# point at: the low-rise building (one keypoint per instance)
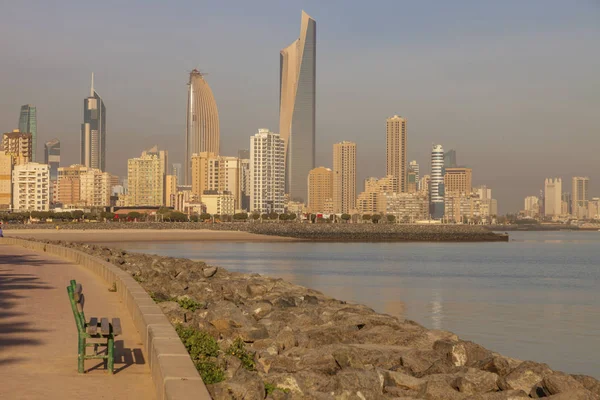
(407, 207)
(6, 167)
(219, 203)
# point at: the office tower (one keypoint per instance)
(297, 93)
(202, 129)
(415, 168)
(532, 206)
(170, 190)
(28, 124)
(203, 176)
(6, 167)
(244, 154)
(146, 177)
(177, 172)
(93, 131)
(68, 188)
(31, 187)
(567, 204)
(396, 137)
(52, 157)
(320, 190)
(267, 177)
(245, 182)
(450, 159)
(580, 198)
(344, 177)
(412, 183)
(19, 145)
(95, 188)
(436, 184)
(552, 197)
(458, 181)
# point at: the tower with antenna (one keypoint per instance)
(93, 131)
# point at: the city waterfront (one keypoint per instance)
(532, 298)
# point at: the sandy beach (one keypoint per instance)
(142, 235)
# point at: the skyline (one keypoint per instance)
(490, 87)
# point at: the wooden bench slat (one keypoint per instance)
(93, 326)
(116, 325)
(104, 326)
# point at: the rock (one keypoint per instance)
(286, 339)
(357, 380)
(255, 289)
(209, 272)
(440, 390)
(591, 384)
(506, 395)
(554, 384)
(347, 358)
(495, 364)
(476, 381)
(261, 310)
(224, 326)
(526, 376)
(581, 394)
(461, 353)
(251, 334)
(401, 380)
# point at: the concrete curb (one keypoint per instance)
(173, 372)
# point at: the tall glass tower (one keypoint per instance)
(52, 157)
(28, 124)
(297, 95)
(93, 131)
(436, 184)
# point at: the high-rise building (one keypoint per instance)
(415, 168)
(177, 172)
(95, 188)
(19, 145)
(344, 177)
(200, 180)
(28, 124)
(436, 184)
(552, 197)
(297, 94)
(267, 177)
(320, 190)
(580, 197)
(424, 184)
(450, 159)
(68, 188)
(93, 131)
(412, 183)
(567, 203)
(31, 187)
(396, 137)
(146, 178)
(52, 157)
(6, 167)
(202, 129)
(245, 182)
(170, 190)
(458, 181)
(532, 206)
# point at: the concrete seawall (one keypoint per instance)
(173, 372)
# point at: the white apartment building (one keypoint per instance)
(267, 172)
(553, 197)
(31, 187)
(219, 204)
(95, 188)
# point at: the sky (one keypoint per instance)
(512, 86)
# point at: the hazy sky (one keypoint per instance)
(513, 86)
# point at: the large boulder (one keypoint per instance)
(554, 384)
(476, 381)
(526, 376)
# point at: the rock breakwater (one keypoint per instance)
(268, 338)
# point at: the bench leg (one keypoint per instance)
(81, 355)
(111, 354)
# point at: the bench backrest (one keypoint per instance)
(75, 291)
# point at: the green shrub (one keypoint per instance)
(189, 304)
(238, 349)
(270, 388)
(210, 371)
(202, 347)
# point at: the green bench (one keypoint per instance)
(99, 329)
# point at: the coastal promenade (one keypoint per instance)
(38, 337)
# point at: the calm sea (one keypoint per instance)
(536, 297)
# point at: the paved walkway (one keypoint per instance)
(38, 338)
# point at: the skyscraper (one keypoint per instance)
(396, 150)
(93, 131)
(344, 177)
(202, 129)
(28, 124)
(436, 183)
(552, 197)
(450, 159)
(176, 170)
(267, 178)
(297, 90)
(580, 196)
(52, 157)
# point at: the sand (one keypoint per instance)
(142, 235)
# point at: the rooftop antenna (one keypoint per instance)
(92, 87)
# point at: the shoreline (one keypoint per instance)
(315, 346)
